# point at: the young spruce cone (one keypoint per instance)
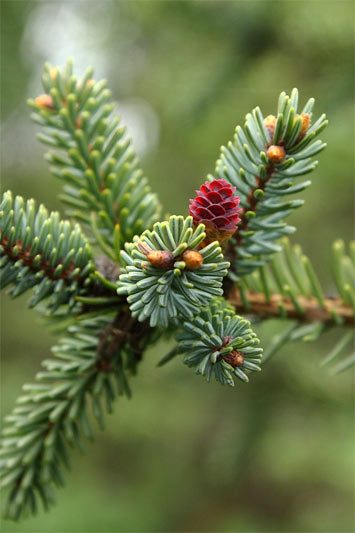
(216, 206)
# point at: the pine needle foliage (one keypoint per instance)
(56, 411)
(265, 161)
(289, 288)
(104, 187)
(40, 251)
(213, 342)
(162, 294)
(155, 277)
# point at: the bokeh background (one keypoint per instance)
(275, 455)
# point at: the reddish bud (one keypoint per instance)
(45, 102)
(276, 154)
(306, 122)
(161, 259)
(193, 259)
(216, 206)
(234, 359)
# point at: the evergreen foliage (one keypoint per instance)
(55, 412)
(104, 188)
(264, 162)
(167, 291)
(154, 275)
(220, 343)
(40, 251)
(289, 288)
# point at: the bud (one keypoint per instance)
(216, 206)
(306, 122)
(45, 102)
(161, 259)
(270, 123)
(276, 154)
(234, 359)
(193, 259)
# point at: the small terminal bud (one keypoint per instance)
(306, 122)
(276, 154)
(234, 358)
(45, 102)
(193, 259)
(270, 123)
(161, 259)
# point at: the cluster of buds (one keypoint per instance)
(164, 260)
(217, 207)
(277, 153)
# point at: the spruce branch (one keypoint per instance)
(263, 162)
(218, 342)
(88, 371)
(104, 188)
(40, 251)
(170, 273)
(288, 288)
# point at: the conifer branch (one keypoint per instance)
(171, 272)
(288, 288)
(218, 342)
(104, 188)
(263, 162)
(88, 371)
(40, 251)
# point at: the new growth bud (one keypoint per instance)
(45, 102)
(193, 259)
(270, 123)
(216, 206)
(161, 259)
(234, 358)
(276, 154)
(306, 122)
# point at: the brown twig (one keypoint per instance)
(24, 254)
(279, 306)
(124, 328)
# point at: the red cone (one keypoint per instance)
(216, 206)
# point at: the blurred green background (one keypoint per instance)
(275, 455)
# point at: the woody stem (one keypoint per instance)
(279, 306)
